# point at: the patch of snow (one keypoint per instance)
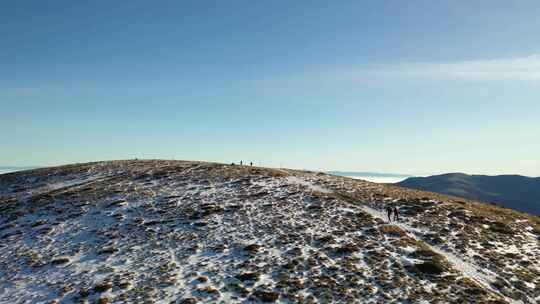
(406, 261)
(309, 185)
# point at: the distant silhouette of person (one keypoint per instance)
(240, 163)
(396, 213)
(389, 213)
(251, 164)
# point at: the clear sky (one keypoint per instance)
(388, 86)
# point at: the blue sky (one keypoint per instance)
(412, 87)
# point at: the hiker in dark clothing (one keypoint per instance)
(396, 213)
(389, 213)
(251, 164)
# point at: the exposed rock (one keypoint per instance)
(252, 248)
(266, 296)
(500, 228)
(248, 276)
(103, 300)
(84, 292)
(124, 284)
(430, 268)
(346, 249)
(209, 291)
(103, 286)
(60, 260)
(108, 250)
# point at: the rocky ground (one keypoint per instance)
(192, 232)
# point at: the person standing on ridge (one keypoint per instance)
(396, 213)
(389, 213)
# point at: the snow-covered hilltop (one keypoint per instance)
(193, 232)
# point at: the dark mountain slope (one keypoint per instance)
(511, 191)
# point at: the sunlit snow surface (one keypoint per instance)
(174, 232)
(3, 171)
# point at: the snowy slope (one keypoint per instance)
(192, 232)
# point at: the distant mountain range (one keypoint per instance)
(511, 191)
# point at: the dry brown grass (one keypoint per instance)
(392, 230)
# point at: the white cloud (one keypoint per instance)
(519, 68)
